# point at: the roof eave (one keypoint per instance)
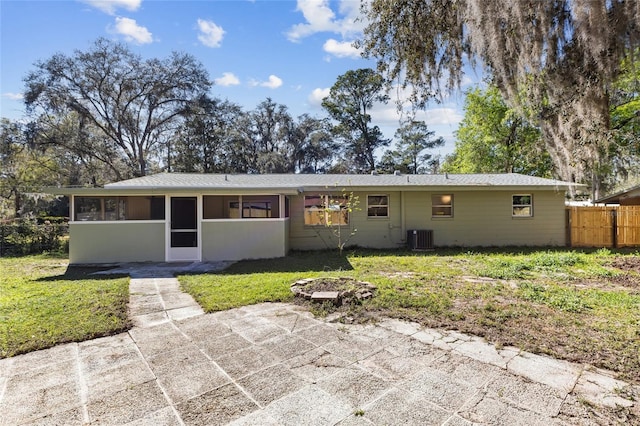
(149, 190)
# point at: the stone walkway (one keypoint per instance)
(275, 364)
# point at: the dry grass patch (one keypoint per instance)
(582, 306)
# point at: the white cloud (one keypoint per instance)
(320, 17)
(110, 6)
(317, 95)
(133, 32)
(389, 115)
(437, 116)
(13, 96)
(341, 49)
(273, 83)
(210, 34)
(227, 79)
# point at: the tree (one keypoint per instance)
(132, 101)
(315, 148)
(335, 215)
(82, 153)
(206, 140)
(271, 132)
(624, 150)
(24, 167)
(554, 61)
(414, 137)
(493, 138)
(349, 102)
(219, 137)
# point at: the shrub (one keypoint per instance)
(26, 236)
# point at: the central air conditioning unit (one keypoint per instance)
(420, 239)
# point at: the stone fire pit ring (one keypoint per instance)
(338, 290)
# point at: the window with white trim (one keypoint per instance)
(522, 205)
(326, 209)
(377, 205)
(442, 205)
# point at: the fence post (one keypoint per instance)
(567, 224)
(614, 227)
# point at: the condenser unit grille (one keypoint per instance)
(420, 239)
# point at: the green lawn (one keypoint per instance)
(575, 305)
(43, 303)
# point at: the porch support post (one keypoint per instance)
(167, 227)
(281, 206)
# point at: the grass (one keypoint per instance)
(43, 302)
(582, 306)
(260, 281)
(570, 304)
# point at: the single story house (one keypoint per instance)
(628, 197)
(210, 217)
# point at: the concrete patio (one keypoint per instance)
(275, 364)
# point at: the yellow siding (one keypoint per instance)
(378, 232)
(109, 242)
(485, 219)
(480, 218)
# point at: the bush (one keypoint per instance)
(26, 236)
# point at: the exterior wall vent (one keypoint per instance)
(420, 239)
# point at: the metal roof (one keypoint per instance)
(307, 182)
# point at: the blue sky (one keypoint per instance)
(290, 51)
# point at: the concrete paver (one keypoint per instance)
(275, 364)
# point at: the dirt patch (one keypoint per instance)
(624, 282)
(627, 263)
(401, 275)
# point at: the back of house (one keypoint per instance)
(210, 217)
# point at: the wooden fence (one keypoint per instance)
(604, 226)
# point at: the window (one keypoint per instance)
(90, 209)
(228, 206)
(234, 210)
(326, 209)
(256, 209)
(522, 205)
(442, 205)
(220, 207)
(251, 209)
(377, 205)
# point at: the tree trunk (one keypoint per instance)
(17, 202)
